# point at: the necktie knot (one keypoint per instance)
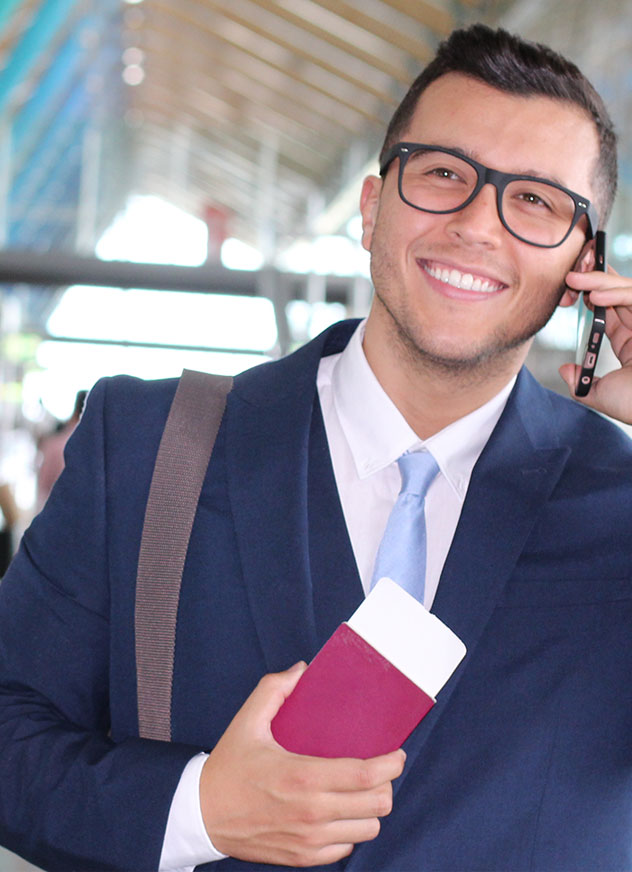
(417, 469)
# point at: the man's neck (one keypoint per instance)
(430, 396)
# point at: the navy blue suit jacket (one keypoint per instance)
(524, 763)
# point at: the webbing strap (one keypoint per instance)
(181, 464)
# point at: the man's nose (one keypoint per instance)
(479, 223)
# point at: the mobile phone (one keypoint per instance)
(591, 324)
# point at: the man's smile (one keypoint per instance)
(465, 281)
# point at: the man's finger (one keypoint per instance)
(342, 775)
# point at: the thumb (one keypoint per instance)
(594, 399)
(272, 691)
(570, 374)
(289, 678)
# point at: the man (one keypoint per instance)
(525, 762)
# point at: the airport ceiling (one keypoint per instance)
(258, 115)
(254, 114)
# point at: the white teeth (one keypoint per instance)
(467, 280)
(464, 281)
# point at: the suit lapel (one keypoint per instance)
(513, 477)
(269, 424)
(337, 589)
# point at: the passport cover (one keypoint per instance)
(350, 702)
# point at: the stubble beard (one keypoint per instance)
(497, 352)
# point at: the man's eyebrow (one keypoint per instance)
(538, 175)
(527, 171)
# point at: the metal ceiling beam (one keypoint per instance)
(241, 151)
(56, 269)
(53, 150)
(218, 140)
(416, 46)
(50, 18)
(59, 269)
(312, 57)
(258, 57)
(288, 98)
(128, 343)
(433, 15)
(32, 119)
(349, 47)
(280, 83)
(87, 51)
(161, 105)
(304, 146)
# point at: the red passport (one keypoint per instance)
(352, 700)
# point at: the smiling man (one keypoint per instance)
(460, 292)
(497, 170)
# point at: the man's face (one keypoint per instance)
(418, 259)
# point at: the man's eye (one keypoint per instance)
(532, 199)
(445, 173)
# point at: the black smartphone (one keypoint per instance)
(591, 324)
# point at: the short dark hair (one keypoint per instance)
(517, 66)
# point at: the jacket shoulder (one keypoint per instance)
(591, 435)
(552, 420)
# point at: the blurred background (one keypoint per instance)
(179, 182)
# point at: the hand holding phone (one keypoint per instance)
(591, 325)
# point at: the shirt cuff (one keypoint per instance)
(186, 843)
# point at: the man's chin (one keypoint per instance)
(463, 360)
(451, 359)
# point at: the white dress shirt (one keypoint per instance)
(366, 435)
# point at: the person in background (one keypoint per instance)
(51, 451)
(10, 518)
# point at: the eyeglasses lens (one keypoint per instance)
(536, 211)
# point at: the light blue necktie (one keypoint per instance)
(402, 552)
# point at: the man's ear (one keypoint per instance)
(586, 260)
(584, 263)
(369, 204)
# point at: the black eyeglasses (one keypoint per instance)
(441, 180)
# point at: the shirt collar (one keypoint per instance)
(377, 433)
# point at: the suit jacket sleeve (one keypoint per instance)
(76, 792)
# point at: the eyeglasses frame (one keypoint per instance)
(487, 176)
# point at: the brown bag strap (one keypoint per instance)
(181, 464)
